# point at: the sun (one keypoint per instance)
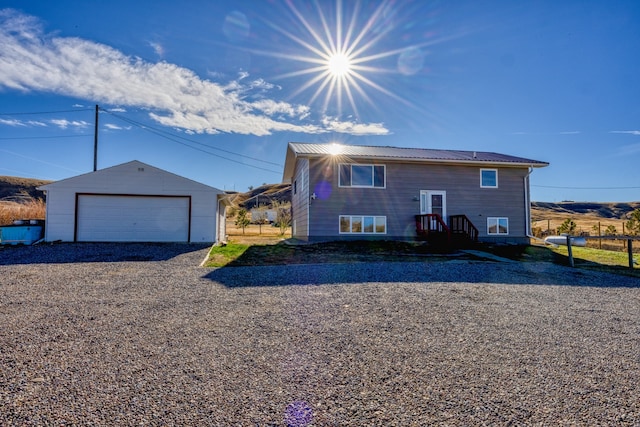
(345, 51)
(339, 65)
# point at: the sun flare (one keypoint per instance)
(344, 50)
(339, 65)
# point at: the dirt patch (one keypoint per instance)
(284, 253)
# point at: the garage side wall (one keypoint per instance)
(60, 223)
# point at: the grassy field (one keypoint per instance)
(547, 221)
(256, 234)
(29, 209)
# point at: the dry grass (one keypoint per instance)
(30, 209)
(549, 221)
(254, 234)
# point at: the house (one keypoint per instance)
(342, 192)
(133, 202)
(263, 214)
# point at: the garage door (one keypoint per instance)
(118, 218)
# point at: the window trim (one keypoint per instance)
(482, 182)
(373, 176)
(497, 219)
(362, 222)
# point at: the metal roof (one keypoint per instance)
(297, 149)
(406, 153)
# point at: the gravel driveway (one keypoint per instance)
(110, 334)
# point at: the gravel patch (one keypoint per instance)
(92, 335)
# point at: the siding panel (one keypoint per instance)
(300, 200)
(399, 201)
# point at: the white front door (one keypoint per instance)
(434, 202)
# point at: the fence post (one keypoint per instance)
(599, 235)
(630, 250)
(570, 252)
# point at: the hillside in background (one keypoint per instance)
(263, 195)
(545, 210)
(18, 189)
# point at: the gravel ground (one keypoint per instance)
(140, 335)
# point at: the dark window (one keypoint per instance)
(345, 175)
(356, 175)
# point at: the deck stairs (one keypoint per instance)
(459, 233)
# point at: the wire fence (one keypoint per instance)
(612, 235)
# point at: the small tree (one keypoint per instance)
(283, 215)
(242, 220)
(567, 227)
(633, 224)
(259, 216)
(610, 230)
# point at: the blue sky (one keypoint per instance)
(214, 91)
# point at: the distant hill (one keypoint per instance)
(18, 189)
(543, 210)
(263, 195)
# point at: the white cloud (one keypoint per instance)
(571, 132)
(37, 62)
(355, 128)
(117, 110)
(157, 48)
(629, 132)
(111, 126)
(64, 123)
(12, 122)
(37, 123)
(271, 108)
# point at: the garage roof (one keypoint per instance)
(130, 169)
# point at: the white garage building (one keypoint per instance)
(133, 202)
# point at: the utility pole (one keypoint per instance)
(95, 142)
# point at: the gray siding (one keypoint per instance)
(300, 199)
(399, 201)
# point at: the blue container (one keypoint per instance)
(20, 234)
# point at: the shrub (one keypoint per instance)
(633, 224)
(567, 227)
(283, 215)
(242, 220)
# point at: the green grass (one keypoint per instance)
(239, 254)
(587, 258)
(219, 256)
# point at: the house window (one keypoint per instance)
(367, 176)
(489, 178)
(357, 224)
(295, 187)
(497, 225)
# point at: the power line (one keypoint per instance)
(143, 126)
(45, 112)
(172, 137)
(587, 188)
(47, 137)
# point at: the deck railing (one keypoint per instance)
(432, 225)
(460, 224)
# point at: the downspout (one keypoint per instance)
(527, 206)
(220, 222)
